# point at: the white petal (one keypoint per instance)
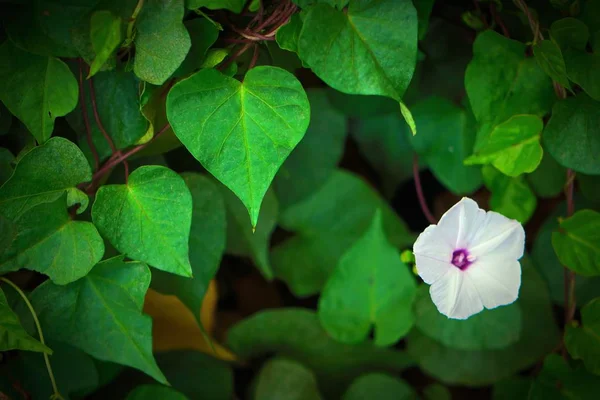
(498, 235)
(455, 295)
(459, 222)
(433, 255)
(496, 278)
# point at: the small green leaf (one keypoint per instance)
(203, 34)
(379, 386)
(106, 306)
(287, 36)
(512, 146)
(36, 89)
(233, 5)
(296, 333)
(43, 175)
(105, 34)
(549, 177)
(12, 334)
(49, 241)
(370, 286)
(245, 241)
(161, 42)
(550, 59)
(240, 132)
(511, 197)
(488, 330)
(570, 32)
(351, 49)
(148, 219)
(583, 342)
(282, 379)
(577, 242)
(206, 244)
(572, 135)
(316, 157)
(155, 392)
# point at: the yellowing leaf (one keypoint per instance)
(175, 328)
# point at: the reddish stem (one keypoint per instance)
(422, 202)
(254, 57)
(86, 120)
(499, 20)
(97, 117)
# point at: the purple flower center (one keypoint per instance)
(461, 259)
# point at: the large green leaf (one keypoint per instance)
(315, 158)
(296, 333)
(570, 32)
(102, 314)
(583, 342)
(502, 82)
(161, 42)
(206, 244)
(327, 224)
(36, 89)
(513, 146)
(369, 287)
(511, 197)
(155, 392)
(148, 218)
(361, 50)
(478, 368)
(43, 175)
(287, 36)
(105, 35)
(379, 386)
(12, 334)
(582, 68)
(490, 329)
(572, 135)
(282, 379)
(577, 242)
(550, 59)
(118, 105)
(245, 241)
(240, 132)
(48, 241)
(446, 137)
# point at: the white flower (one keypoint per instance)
(470, 259)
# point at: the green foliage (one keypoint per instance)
(259, 172)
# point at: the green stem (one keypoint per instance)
(212, 21)
(56, 394)
(132, 20)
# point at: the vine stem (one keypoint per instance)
(86, 119)
(432, 220)
(535, 26)
(38, 326)
(569, 276)
(130, 25)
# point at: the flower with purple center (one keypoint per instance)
(471, 260)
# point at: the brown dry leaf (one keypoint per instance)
(175, 328)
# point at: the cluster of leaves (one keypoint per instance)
(145, 139)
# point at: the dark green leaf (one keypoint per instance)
(423, 12)
(351, 50)
(118, 105)
(583, 342)
(512, 146)
(8, 233)
(106, 307)
(582, 69)
(36, 89)
(315, 158)
(206, 244)
(477, 368)
(48, 241)
(590, 187)
(488, 330)
(511, 197)
(446, 137)
(233, 5)
(558, 380)
(6, 166)
(379, 386)
(5, 120)
(105, 35)
(512, 388)
(161, 42)
(570, 32)
(12, 334)
(360, 106)
(203, 34)
(229, 126)
(297, 334)
(155, 392)
(282, 379)
(149, 218)
(577, 242)
(287, 36)
(435, 391)
(550, 59)
(548, 179)
(242, 239)
(370, 287)
(572, 135)
(328, 223)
